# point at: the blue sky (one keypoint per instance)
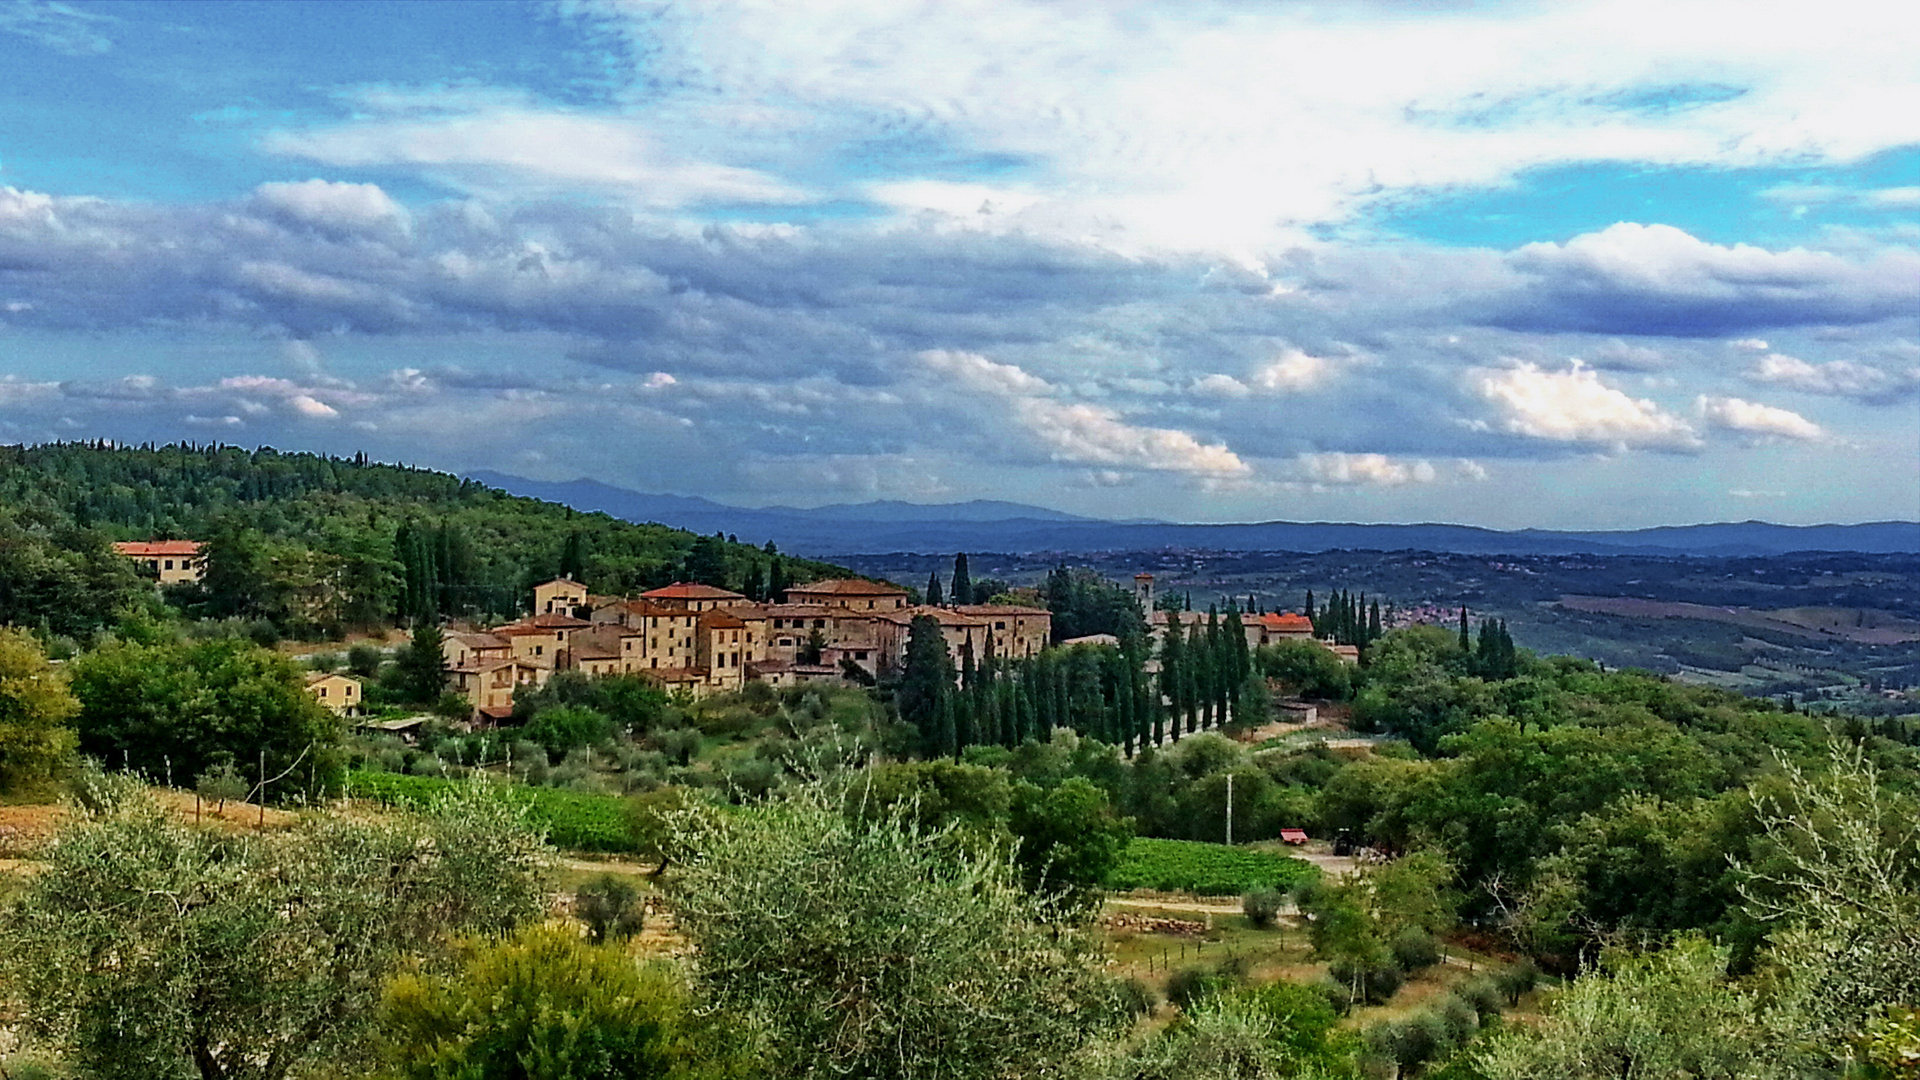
(1575, 264)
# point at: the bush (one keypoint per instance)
(1375, 985)
(1460, 1017)
(364, 660)
(1483, 994)
(1516, 981)
(1137, 998)
(679, 744)
(545, 1003)
(1262, 906)
(1415, 950)
(1192, 985)
(611, 907)
(328, 662)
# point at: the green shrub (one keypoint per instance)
(1262, 906)
(545, 1003)
(567, 728)
(1415, 950)
(1137, 998)
(1374, 985)
(1460, 1018)
(611, 907)
(1483, 994)
(1192, 985)
(1516, 981)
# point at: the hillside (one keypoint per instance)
(331, 541)
(886, 527)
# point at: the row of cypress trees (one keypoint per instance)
(1100, 691)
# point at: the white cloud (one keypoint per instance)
(1838, 378)
(326, 204)
(1227, 126)
(1293, 372)
(1753, 418)
(1078, 433)
(538, 150)
(1371, 469)
(1220, 386)
(1574, 406)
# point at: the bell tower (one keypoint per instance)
(1143, 591)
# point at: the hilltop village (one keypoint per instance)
(704, 640)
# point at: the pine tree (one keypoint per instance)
(933, 589)
(962, 585)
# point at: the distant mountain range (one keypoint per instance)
(985, 525)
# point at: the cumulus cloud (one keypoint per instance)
(1079, 433)
(1574, 406)
(1377, 469)
(1837, 378)
(1656, 279)
(1293, 372)
(327, 204)
(1753, 418)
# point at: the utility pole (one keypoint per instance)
(1229, 809)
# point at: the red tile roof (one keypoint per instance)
(684, 590)
(848, 587)
(721, 620)
(146, 549)
(1001, 609)
(555, 621)
(1288, 622)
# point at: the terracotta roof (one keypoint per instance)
(848, 587)
(322, 676)
(558, 581)
(135, 549)
(555, 621)
(481, 641)
(519, 630)
(802, 611)
(683, 590)
(944, 616)
(1001, 609)
(601, 644)
(1091, 639)
(1288, 622)
(721, 620)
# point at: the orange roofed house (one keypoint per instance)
(173, 562)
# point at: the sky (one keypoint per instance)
(1565, 265)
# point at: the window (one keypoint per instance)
(539, 650)
(323, 691)
(169, 564)
(819, 624)
(1000, 625)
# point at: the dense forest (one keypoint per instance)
(313, 545)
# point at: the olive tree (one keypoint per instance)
(1843, 889)
(150, 949)
(870, 946)
(36, 713)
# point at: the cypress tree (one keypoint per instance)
(1313, 614)
(962, 585)
(1173, 675)
(933, 589)
(1466, 641)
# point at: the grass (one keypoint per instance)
(1206, 869)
